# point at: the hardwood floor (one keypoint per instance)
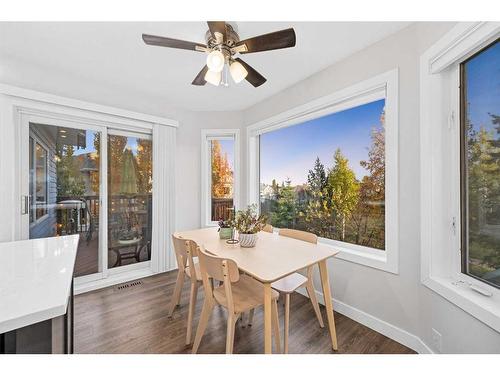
(134, 320)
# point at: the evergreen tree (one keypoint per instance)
(285, 213)
(316, 178)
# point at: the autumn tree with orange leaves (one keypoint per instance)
(222, 174)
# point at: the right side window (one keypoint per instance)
(480, 164)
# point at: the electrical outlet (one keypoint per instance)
(437, 341)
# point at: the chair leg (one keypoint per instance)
(287, 322)
(242, 318)
(276, 326)
(250, 317)
(206, 311)
(192, 305)
(314, 302)
(231, 323)
(176, 297)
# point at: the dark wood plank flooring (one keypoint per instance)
(134, 320)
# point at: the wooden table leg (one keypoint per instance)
(267, 319)
(325, 283)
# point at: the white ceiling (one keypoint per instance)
(114, 55)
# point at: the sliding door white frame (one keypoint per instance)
(17, 102)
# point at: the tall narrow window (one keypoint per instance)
(219, 174)
(221, 171)
(480, 165)
(327, 176)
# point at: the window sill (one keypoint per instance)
(374, 258)
(483, 308)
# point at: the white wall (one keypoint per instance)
(188, 174)
(399, 300)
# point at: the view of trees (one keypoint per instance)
(483, 183)
(142, 162)
(222, 181)
(72, 181)
(69, 179)
(222, 173)
(334, 203)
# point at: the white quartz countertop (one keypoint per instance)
(35, 280)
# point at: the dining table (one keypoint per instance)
(272, 258)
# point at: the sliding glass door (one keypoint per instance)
(93, 181)
(63, 187)
(130, 200)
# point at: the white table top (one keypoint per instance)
(35, 280)
(273, 257)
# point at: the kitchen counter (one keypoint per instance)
(36, 279)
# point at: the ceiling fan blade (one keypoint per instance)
(200, 78)
(217, 27)
(267, 42)
(254, 77)
(161, 41)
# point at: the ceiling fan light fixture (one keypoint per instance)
(238, 71)
(215, 61)
(212, 77)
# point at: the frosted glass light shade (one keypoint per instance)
(238, 72)
(213, 77)
(215, 61)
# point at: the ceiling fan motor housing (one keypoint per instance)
(231, 39)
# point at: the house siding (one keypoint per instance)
(47, 226)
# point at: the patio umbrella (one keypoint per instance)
(128, 183)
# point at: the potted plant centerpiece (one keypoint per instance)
(225, 230)
(248, 223)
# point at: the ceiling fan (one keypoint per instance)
(222, 45)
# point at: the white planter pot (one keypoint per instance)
(247, 240)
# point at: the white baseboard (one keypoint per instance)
(387, 329)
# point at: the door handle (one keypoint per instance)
(25, 200)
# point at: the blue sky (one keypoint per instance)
(291, 152)
(483, 87)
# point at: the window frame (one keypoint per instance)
(383, 86)
(36, 140)
(463, 182)
(440, 171)
(208, 135)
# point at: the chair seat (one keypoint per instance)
(248, 293)
(289, 283)
(196, 271)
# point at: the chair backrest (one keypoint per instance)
(217, 268)
(299, 235)
(185, 250)
(268, 228)
(220, 269)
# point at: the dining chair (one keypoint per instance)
(238, 293)
(268, 228)
(291, 283)
(185, 252)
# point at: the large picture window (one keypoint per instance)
(327, 175)
(480, 164)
